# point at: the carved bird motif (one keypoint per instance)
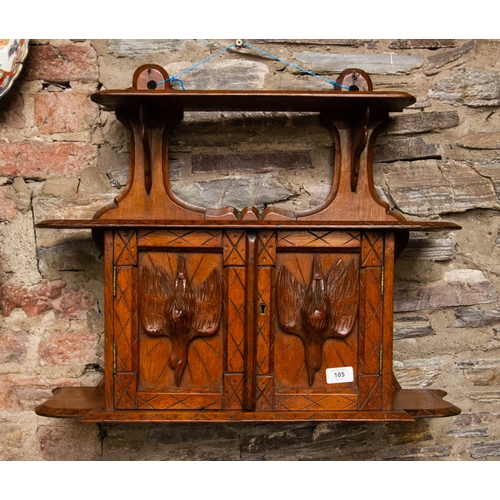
(326, 309)
(170, 308)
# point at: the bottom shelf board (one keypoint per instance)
(87, 404)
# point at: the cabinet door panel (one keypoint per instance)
(317, 297)
(181, 339)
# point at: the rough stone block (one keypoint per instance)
(238, 192)
(481, 372)
(414, 148)
(8, 207)
(40, 160)
(432, 44)
(417, 373)
(371, 63)
(412, 327)
(222, 74)
(34, 300)
(61, 187)
(70, 442)
(485, 449)
(135, 48)
(67, 111)
(469, 87)
(472, 317)
(67, 348)
(427, 187)
(426, 248)
(13, 346)
(442, 58)
(417, 123)
(480, 140)
(65, 63)
(460, 287)
(227, 164)
(24, 392)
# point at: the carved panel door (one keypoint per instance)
(327, 347)
(169, 329)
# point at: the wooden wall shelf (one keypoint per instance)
(224, 315)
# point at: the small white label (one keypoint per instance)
(339, 375)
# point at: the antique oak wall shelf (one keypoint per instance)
(225, 315)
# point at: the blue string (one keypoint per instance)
(176, 78)
(331, 82)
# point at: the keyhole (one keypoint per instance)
(262, 309)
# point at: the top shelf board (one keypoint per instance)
(255, 100)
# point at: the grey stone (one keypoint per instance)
(427, 248)
(421, 44)
(221, 74)
(485, 449)
(371, 63)
(487, 397)
(416, 123)
(415, 453)
(413, 148)
(469, 87)
(472, 317)
(468, 433)
(481, 372)
(417, 373)
(442, 58)
(309, 441)
(426, 187)
(134, 48)
(458, 288)
(412, 327)
(238, 192)
(326, 41)
(257, 162)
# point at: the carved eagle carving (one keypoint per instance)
(170, 308)
(327, 308)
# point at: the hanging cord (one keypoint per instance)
(241, 43)
(331, 82)
(175, 78)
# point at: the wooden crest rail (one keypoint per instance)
(226, 315)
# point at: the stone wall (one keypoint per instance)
(62, 157)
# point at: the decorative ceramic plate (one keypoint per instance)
(12, 55)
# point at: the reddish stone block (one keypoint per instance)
(62, 64)
(39, 160)
(63, 348)
(59, 112)
(34, 300)
(70, 442)
(74, 305)
(13, 346)
(24, 392)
